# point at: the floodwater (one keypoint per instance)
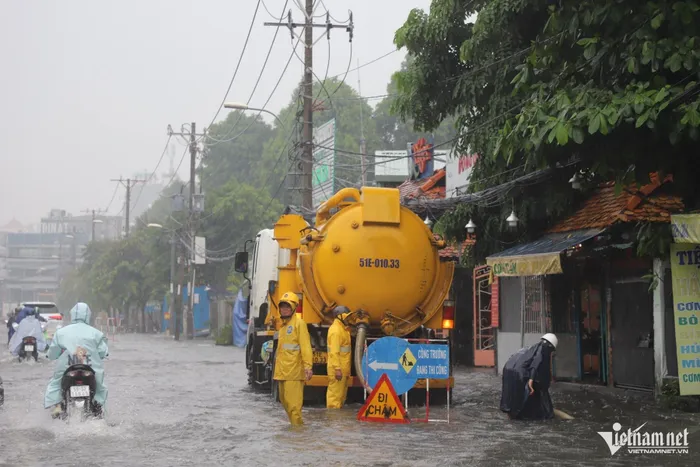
(187, 403)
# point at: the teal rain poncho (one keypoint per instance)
(29, 326)
(65, 343)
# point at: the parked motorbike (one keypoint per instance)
(78, 389)
(28, 349)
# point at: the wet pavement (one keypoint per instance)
(187, 403)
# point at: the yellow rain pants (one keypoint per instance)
(292, 398)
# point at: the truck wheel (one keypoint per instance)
(250, 363)
(275, 391)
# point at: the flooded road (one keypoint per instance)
(187, 403)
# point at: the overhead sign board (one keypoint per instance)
(383, 405)
(323, 170)
(459, 171)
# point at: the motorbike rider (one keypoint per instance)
(67, 344)
(338, 366)
(29, 326)
(11, 316)
(293, 358)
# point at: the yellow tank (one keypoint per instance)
(373, 256)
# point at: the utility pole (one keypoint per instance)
(363, 146)
(307, 144)
(94, 219)
(128, 184)
(196, 205)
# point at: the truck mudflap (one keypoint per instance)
(322, 380)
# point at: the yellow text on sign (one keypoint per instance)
(383, 405)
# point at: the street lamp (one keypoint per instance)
(512, 220)
(471, 226)
(575, 182)
(242, 106)
(155, 226)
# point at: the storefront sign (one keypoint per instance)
(527, 265)
(685, 271)
(422, 159)
(459, 172)
(686, 228)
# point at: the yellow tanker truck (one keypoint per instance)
(366, 252)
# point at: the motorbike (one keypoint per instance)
(78, 390)
(28, 349)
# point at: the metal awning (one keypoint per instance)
(540, 257)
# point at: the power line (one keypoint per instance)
(114, 194)
(257, 82)
(240, 60)
(148, 180)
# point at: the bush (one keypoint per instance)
(671, 397)
(225, 336)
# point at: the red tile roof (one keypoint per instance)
(455, 250)
(632, 204)
(425, 188)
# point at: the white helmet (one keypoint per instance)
(551, 338)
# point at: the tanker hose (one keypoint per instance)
(359, 352)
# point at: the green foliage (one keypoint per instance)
(235, 212)
(533, 83)
(393, 132)
(654, 240)
(238, 159)
(225, 336)
(671, 397)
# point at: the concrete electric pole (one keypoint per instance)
(128, 184)
(307, 144)
(196, 205)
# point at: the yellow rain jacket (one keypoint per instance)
(339, 349)
(293, 354)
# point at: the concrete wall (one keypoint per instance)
(508, 343)
(566, 359)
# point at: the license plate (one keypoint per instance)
(80, 391)
(320, 358)
(29, 348)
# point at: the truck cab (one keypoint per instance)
(263, 274)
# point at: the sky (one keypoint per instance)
(88, 88)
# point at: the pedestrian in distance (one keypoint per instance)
(526, 378)
(293, 358)
(339, 362)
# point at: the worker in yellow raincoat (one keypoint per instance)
(338, 367)
(293, 358)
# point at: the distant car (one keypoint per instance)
(49, 311)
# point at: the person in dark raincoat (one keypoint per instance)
(526, 378)
(12, 317)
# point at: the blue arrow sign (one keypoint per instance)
(432, 361)
(386, 356)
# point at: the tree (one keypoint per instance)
(535, 82)
(394, 132)
(235, 213)
(233, 149)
